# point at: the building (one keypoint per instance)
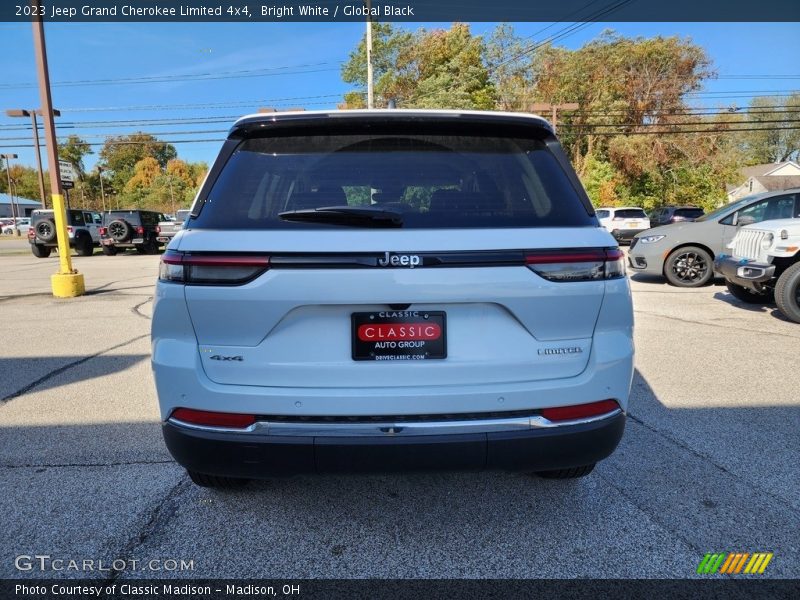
(24, 206)
(766, 178)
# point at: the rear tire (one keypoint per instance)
(787, 293)
(216, 481)
(84, 246)
(689, 267)
(572, 473)
(109, 250)
(46, 230)
(40, 251)
(745, 295)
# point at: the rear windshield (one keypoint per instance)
(689, 213)
(630, 213)
(126, 215)
(434, 181)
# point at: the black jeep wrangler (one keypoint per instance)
(130, 229)
(82, 229)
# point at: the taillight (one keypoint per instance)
(221, 269)
(102, 230)
(577, 265)
(31, 233)
(69, 229)
(581, 411)
(158, 229)
(213, 419)
(140, 230)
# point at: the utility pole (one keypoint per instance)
(370, 90)
(102, 189)
(554, 108)
(67, 283)
(8, 158)
(21, 112)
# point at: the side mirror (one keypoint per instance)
(745, 220)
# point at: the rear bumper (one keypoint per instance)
(744, 272)
(254, 455)
(625, 235)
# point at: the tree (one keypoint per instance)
(777, 138)
(121, 153)
(509, 68)
(428, 69)
(73, 150)
(388, 42)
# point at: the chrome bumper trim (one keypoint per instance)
(282, 428)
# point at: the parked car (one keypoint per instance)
(22, 223)
(124, 229)
(169, 227)
(674, 214)
(623, 223)
(82, 230)
(384, 290)
(684, 253)
(764, 265)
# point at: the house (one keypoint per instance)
(23, 206)
(766, 178)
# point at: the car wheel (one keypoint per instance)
(84, 246)
(689, 266)
(40, 251)
(119, 230)
(46, 230)
(572, 473)
(750, 297)
(109, 250)
(787, 293)
(216, 481)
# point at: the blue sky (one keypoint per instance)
(751, 58)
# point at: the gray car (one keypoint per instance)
(684, 252)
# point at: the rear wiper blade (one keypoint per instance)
(346, 215)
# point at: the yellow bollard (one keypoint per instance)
(67, 283)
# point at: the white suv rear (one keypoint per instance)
(391, 290)
(623, 222)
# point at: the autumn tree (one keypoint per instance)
(73, 150)
(120, 154)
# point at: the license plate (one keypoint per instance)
(633, 224)
(137, 241)
(399, 335)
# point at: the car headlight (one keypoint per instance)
(651, 239)
(767, 241)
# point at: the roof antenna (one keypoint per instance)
(392, 103)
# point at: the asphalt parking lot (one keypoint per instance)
(709, 461)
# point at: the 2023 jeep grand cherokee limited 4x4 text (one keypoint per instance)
(391, 290)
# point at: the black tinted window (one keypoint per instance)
(77, 218)
(630, 213)
(434, 181)
(131, 216)
(689, 213)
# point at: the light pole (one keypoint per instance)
(21, 112)
(67, 283)
(102, 189)
(8, 158)
(370, 92)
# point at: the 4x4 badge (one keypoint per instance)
(220, 357)
(400, 260)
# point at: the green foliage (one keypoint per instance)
(773, 141)
(73, 150)
(121, 153)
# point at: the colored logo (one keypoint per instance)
(734, 563)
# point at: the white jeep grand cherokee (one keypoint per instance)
(391, 290)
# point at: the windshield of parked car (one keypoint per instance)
(726, 208)
(434, 181)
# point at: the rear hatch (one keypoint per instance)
(630, 218)
(482, 237)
